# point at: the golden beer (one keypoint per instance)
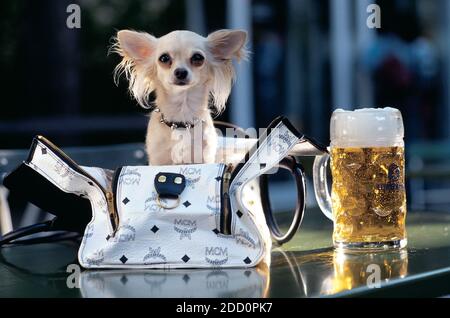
(367, 157)
(368, 194)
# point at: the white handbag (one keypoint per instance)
(180, 216)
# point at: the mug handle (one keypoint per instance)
(321, 185)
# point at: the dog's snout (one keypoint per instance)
(181, 73)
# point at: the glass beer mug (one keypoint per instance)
(368, 199)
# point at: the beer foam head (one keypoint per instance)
(367, 127)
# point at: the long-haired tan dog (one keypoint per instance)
(186, 71)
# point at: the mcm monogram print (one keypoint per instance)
(244, 238)
(130, 177)
(154, 255)
(125, 233)
(288, 138)
(277, 146)
(150, 204)
(96, 258)
(213, 203)
(216, 256)
(185, 227)
(89, 232)
(192, 175)
(63, 170)
(281, 141)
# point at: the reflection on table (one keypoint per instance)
(211, 283)
(352, 270)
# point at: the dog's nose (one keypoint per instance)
(181, 73)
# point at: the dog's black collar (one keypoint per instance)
(176, 124)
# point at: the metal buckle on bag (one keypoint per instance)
(160, 201)
(169, 186)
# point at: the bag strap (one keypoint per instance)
(58, 234)
(25, 231)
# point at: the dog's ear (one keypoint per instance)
(135, 48)
(136, 45)
(228, 44)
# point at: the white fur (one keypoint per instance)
(140, 64)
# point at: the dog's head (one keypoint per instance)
(178, 61)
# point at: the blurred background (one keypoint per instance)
(309, 57)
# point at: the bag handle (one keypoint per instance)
(270, 152)
(296, 169)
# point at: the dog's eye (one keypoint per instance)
(165, 58)
(197, 59)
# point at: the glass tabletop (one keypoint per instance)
(321, 270)
(305, 267)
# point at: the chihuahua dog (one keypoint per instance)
(185, 71)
